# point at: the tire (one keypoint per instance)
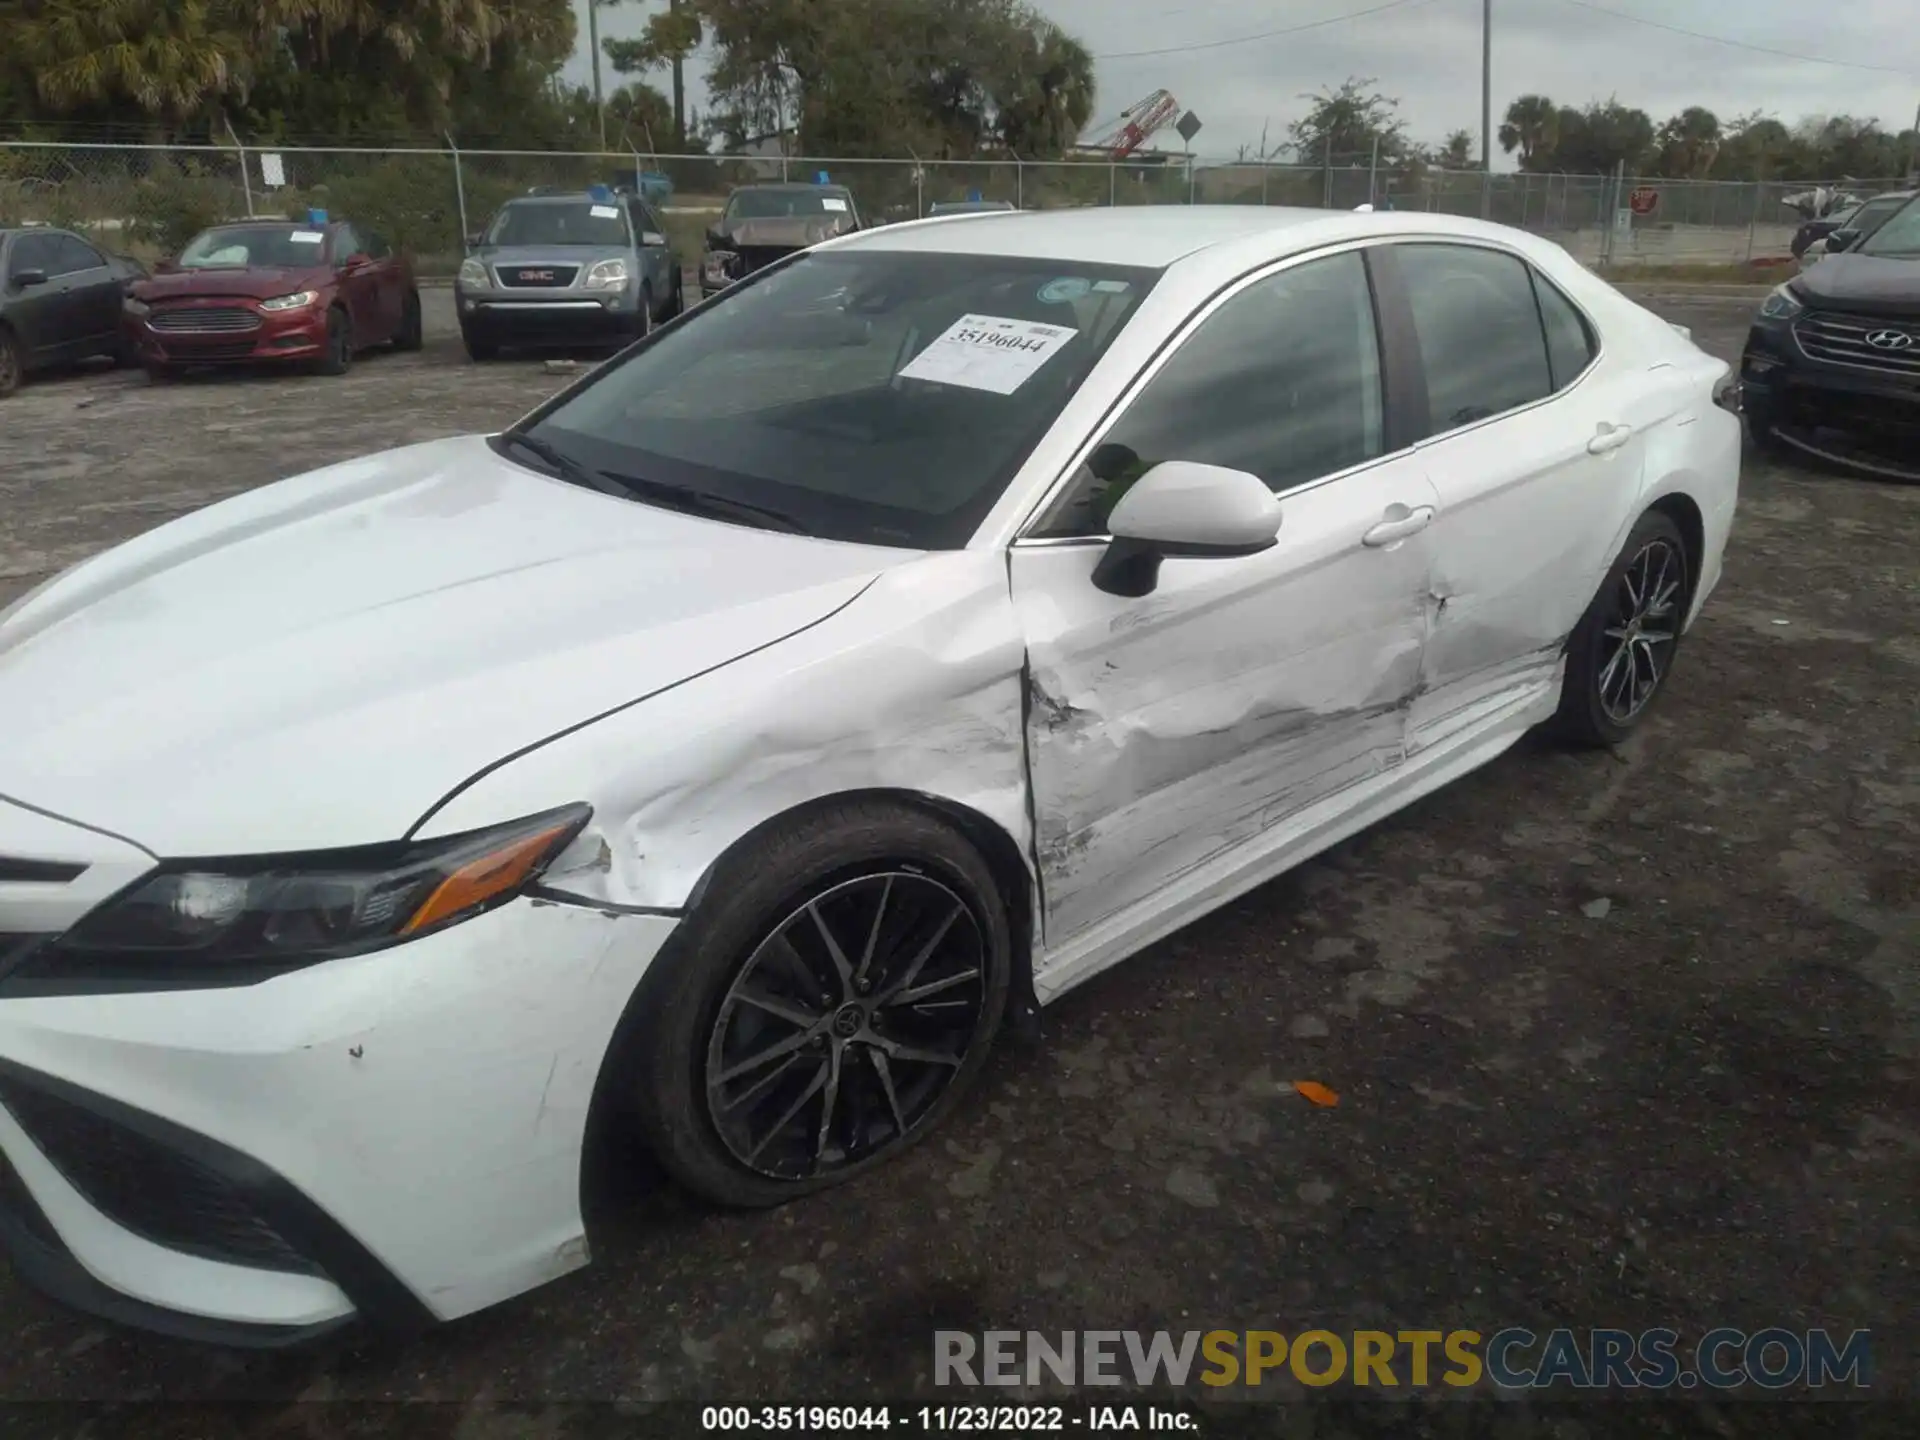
(643, 322)
(479, 351)
(339, 353)
(677, 306)
(688, 1026)
(412, 334)
(1634, 621)
(13, 363)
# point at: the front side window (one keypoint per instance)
(554, 222)
(1283, 381)
(31, 252)
(1481, 340)
(282, 247)
(1899, 238)
(867, 395)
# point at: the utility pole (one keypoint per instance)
(593, 43)
(679, 88)
(1486, 108)
(1913, 148)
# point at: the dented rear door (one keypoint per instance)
(1166, 732)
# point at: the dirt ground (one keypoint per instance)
(1628, 1041)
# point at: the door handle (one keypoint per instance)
(1609, 437)
(1399, 527)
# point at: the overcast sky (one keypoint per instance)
(1427, 52)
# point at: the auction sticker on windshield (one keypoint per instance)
(988, 352)
(829, 202)
(307, 237)
(605, 212)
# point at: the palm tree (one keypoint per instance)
(173, 61)
(1532, 127)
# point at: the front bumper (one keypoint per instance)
(1802, 394)
(274, 336)
(395, 1139)
(560, 317)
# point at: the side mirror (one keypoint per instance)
(653, 239)
(1840, 240)
(26, 279)
(1185, 510)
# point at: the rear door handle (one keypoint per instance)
(1610, 437)
(1409, 522)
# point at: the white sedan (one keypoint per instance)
(731, 747)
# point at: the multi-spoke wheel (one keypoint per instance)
(846, 1025)
(823, 1008)
(1620, 654)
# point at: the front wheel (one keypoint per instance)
(13, 362)
(479, 351)
(411, 334)
(338, 355)
(824, 1010)
(1621, 652)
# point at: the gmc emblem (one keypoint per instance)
(536, 274)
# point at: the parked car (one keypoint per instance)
(732, 747)
(312, 293)
(555, 271)
(60, 298)
(765, 223)
(1814, 231)
(1866, 219)
(1832, 362)
(969, 207)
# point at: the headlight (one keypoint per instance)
(236, 922)
(298, 301)
(607, 275)
(472, 276)
(719, 264)
(134, 307)
(1782, 304)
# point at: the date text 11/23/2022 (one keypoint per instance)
(990, 1419)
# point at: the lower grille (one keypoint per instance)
(1889, 347)
(146, 1187)
(227, 350)
(203, 321)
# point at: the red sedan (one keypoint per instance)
(271, 290)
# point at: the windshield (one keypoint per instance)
(1874, 214)
(1899, 237)
(571, 222)
(786, 204)
(868, 395)
(280, 247)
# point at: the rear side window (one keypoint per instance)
(1479, 331)
(1570, 347)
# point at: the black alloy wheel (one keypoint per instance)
(846, 1026)
(827, 1001)
(411, 334)
(1621, 653)
(338, 355)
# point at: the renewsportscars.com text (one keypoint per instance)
(1510, 1359)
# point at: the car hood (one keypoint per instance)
(252, 284)
(548, 254)
(791, 232)
(1863, 284)
(317, 663)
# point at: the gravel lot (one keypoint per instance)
(1627, 1041)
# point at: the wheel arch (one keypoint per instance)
(1010, 866)
(1684, 511)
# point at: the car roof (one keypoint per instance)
(1154, 237)
(564, 197)
(788, 185)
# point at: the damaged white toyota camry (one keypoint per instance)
(730, 748)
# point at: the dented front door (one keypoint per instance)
(1165, 733)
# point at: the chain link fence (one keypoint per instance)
(150, 200)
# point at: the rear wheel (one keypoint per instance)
(824, 1010)
(13, 363)
(411, 334)
(1623, 648)
(338, 355)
